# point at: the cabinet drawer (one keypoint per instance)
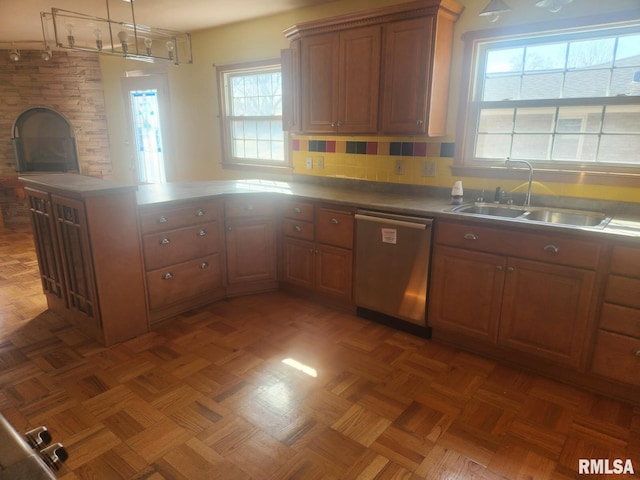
(294, 228)
(183, 280)
(298, 210)
(626, 261)
(549, 248)
(249, 206)
(619, 319)
(170, 218)
(175, 246)
(618, 357)
(334, 227)
(623, 291)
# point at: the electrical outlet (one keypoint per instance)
(320, 162)
(428, 168)
(399, 166)
(309, 163)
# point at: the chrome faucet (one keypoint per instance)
(509, 163)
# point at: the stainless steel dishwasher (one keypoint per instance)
(392, 269)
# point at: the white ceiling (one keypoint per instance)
(20, 19)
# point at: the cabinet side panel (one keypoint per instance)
(115, 240)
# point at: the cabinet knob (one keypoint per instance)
(333, 124)
(339, 123)
(334, 221)
(167, 276)
(204, 265)
(419, 122)
(551, 248)
(202, 233)
(297, 228)
(470, 236)
(163, 219)
(499, 268)
(165, 241)
(297, 210)
(511, 269)
(199, 213)
(249, 207)
(637, 353)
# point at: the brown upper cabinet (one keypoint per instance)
(378, 71)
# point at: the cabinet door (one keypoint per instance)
(359, 80)
(407, 61)
(251, 250)
(545, 310)
(46, 243)
(319, 82)
(466, 291)
(298, 262)
(77, 265)
(334, 271)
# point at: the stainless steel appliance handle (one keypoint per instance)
(388, 221)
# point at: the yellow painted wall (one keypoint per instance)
(195, 135)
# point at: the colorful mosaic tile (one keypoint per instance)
(405, 149)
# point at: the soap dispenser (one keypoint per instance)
(457, 193)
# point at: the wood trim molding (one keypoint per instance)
(401, 11)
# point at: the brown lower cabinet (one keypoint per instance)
(183, 255)
(541, 305)
(317, 249)
(617, 352)
(250, 239)
(88, 248)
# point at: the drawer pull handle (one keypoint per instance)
(199, 213)
(165, 241)
(202, 233)
(297, 210)
(335, 221)
(551, 248)
(470, 236)
(163, 219)
(167, 276)
(204, 265)
(297, 228)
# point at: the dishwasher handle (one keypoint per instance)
(419, 224)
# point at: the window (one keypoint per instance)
(563, 100)
(251, 115)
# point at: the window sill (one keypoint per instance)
(617, 179)
(275, 169)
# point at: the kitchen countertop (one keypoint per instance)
(410, 204)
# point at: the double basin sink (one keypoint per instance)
(549, 215)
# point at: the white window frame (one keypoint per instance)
(468, 118)
(226, 118)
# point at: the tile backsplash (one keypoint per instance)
(374, 159)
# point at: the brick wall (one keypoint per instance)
(70, 83)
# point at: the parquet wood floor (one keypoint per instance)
(272, 387)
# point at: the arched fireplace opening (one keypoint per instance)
(44, 141)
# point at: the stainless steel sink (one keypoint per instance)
(567, 217)
(492, 209)
(558, 216)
